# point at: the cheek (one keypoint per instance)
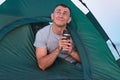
(54, 18)
(67, 20)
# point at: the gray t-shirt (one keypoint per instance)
(46, 38)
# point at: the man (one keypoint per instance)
(50, 43)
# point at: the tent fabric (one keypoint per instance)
(97, 26)
(17, 59)
(17, 53)
(95, 54)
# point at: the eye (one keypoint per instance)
(58, 13)
(65, 14)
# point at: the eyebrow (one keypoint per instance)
(60, 10)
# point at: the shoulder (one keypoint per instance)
(44, 30)
(41, 37)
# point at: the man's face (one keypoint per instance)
(61, 16)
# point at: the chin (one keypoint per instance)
(60, 25)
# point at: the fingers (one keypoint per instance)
(65, 44)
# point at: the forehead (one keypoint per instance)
(61, 8)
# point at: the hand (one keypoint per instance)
(65, 45)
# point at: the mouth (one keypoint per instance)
(60, 19)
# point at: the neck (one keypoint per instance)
(58, 29)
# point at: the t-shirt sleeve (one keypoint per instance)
(40, 40)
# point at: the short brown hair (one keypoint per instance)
(63, 5)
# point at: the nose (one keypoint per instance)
(61, 14)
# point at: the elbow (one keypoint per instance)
(42, 67)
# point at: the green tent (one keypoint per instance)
(19, 21)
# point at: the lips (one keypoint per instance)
(60, 19)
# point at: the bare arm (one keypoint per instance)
(75, 55)
(46, 60)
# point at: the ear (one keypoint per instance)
(52, 16)
(69, 20)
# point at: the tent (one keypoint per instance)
(19, 21)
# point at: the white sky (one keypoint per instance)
(107, 12)
(1, 1)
